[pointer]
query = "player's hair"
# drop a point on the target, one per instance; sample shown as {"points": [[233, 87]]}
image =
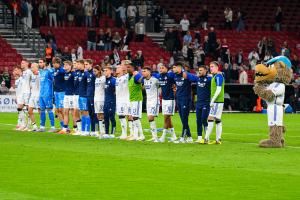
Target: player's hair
{"points": [[43, 59], [80, 61], [108, 66], [68, 63], [179, 63], [90, 61], [98, 67], [202, 66], [147, 68], [56, 60], [215, 63]]}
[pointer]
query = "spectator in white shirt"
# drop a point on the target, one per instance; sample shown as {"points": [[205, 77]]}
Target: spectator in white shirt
{"points": [[140, 31], [253, 57], [143, 11], [243, 78], [228, 18], [185, 24], [79, 52], [131, 14], [122, 13]]}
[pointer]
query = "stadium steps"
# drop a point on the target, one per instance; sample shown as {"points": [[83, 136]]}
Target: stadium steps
{"points": [[157, 37], [28, 51]]}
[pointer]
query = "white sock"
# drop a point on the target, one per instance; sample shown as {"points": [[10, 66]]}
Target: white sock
{"points": [[153, 129], [130, 125], [172, 131], [123, 126], [135, 128], [101, 127], [164, 133], [218, 131], [199, 137], [78, 126], [140, 128], [19, 119], [23, 119], [209, 130]]}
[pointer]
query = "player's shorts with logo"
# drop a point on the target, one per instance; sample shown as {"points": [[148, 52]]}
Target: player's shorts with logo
{"points": [[152, 108], [216, 110], [123, 108], [99, 106], [69, 101], [168, 107], [136, 109]]}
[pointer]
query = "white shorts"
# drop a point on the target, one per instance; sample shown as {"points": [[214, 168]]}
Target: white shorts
{"points": [[34, 102], [69, 101], [275, 115], [136, 109], [24, 99], [99, 106], [168, 107], [123, 108], [152, 108], [216, 110], [76, 101]]}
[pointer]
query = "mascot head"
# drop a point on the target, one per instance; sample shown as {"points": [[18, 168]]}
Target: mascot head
{"points": [[275, 70]]}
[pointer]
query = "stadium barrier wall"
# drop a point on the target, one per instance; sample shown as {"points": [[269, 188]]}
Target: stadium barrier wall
{"points": [[8, 103]]}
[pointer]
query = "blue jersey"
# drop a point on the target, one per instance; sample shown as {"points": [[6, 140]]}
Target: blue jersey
{"points": [[76, 82], [183, 88], [166, 82], [82, 85], [46, 83], [203, 88], [90, 84], [69, 83], [59, 81], [110, 90]]}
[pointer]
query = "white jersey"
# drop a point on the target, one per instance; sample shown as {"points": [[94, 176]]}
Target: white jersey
{"points": [[151, 87], [35, 86], [278, 89], [99, 89], [122, 90], [18, 87], [26, 76]]}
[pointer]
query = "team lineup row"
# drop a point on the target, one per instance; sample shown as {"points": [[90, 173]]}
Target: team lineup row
{"points": [[92, 95]]}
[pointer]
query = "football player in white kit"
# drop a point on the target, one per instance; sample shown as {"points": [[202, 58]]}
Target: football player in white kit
{"points": [[17, 73], [122, 100], [26, 78], [99, 98], [151, 85], [35, 94]]}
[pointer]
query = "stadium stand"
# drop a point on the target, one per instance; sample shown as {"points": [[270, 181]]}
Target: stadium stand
{"points": [[8, 56]]}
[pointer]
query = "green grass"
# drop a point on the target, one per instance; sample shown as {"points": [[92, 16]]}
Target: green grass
{"points": [[50, 166]]}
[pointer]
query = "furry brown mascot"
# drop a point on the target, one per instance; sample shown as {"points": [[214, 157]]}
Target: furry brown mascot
{"points": [[270, 81]]}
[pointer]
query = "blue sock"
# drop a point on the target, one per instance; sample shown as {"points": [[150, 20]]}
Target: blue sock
{"points": [[65, 126], [83, 122], [51, 117], [43, 117], [88, 123], [61, 123]]}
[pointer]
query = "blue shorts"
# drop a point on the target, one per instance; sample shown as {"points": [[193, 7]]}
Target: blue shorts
{"points": [[46, 103], [59, 99], [83, 104]]}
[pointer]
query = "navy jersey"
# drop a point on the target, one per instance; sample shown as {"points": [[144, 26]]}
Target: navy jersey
{"points": [[183, 88], [76, 82], [166, 82], [82, 79], [69, 83], [110, 90], [203, 88], [59, 81], [90, 83]]}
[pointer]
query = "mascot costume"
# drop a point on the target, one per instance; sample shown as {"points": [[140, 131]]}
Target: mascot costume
{"points": [[270, 81]]}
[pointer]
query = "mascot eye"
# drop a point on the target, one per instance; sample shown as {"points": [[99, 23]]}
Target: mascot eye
{"points": [[271, 66]]}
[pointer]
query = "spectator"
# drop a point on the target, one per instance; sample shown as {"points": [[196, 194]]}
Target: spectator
{"points": [[3, 88], [6, 77], [131, 15], [239, 58], [187, 38], [157, 15], [224, 51], [126, 40], [267, 56], [196, 44], [278, 19], [100, 40], [79, 52], [23, 11], [285, 50], [200, 56], [234, 74], [197, 35], [243, 78], [88, 13], [66, 55], [218, 49], [50, 36], [227, 101], [35, 13], [73, 55], [262, 47], [190, 55], [49, 53], [52, 10], [206, 45], [91, 39], [143, 11], [29, 15], [271, 47], [53, 46], [116, 41], [43, 13], [184, 51], [61, 13], [169, 40], [79, 14], [204, 17], [115, 58], [122, 14], [226, 73], [295, 64], [253, 57], [139, 59], [140, 31], [185, 25], [71, 11], [108, 39], [212, 38], [240, 21], [97, 11], [228, 18]]}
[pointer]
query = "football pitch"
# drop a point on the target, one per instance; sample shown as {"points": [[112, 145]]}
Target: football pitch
{"points": [[42, 166]]}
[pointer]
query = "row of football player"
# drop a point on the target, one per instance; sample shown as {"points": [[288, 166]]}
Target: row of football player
{"points": [[93, 96]]}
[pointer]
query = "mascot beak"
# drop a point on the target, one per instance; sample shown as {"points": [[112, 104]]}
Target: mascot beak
{"points": [[264, 73]]}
